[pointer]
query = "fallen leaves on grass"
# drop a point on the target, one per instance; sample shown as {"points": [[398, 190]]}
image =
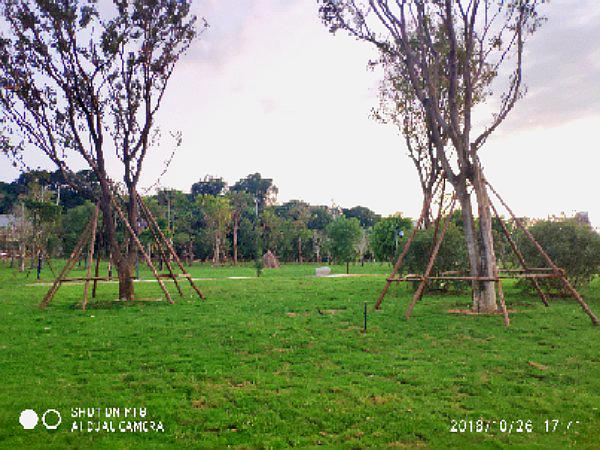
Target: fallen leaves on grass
{"points": [[379, 399], [295, 314], [537, 365], [199, 404]]}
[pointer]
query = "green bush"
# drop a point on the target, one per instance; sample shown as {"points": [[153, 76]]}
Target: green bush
{"points": [[384, 239], [343, 236], [572, 246], [452, 256]]}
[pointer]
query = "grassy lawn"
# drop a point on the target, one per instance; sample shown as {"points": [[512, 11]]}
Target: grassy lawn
{"points": [[281, 361]]}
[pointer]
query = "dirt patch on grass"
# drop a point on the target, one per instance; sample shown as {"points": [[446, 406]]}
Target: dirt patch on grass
{"points": [[329, 311], [199, 404], [242, 384], [537, 365], [380, 399], [296, 314], [468, 312]]}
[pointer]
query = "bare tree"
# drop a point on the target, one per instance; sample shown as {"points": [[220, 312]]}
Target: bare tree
{"points": [[447, 50], [399, 107], [75, 85]]}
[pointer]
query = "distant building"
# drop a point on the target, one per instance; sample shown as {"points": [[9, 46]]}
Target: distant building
{"points": [[8, 232], [8, 221], [583, 218]]}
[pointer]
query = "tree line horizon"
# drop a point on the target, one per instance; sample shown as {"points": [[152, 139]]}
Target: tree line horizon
{"points": [[218, 223], [77, 80]]}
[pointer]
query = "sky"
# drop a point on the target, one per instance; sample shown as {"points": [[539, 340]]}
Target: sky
{"points": [[267, 89]]}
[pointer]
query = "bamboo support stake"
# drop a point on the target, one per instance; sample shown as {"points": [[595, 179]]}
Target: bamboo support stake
{"points": [[160, 249], [96, 273], [465, 278], [566, 283], [519, 255], [140, 247], [400, 260], [434, 253], [73, 279], [109, 266], [503, 302], [67, 267], [170, 248], [438, 219], [90, 257]]}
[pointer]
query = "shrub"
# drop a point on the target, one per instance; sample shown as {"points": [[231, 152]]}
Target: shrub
{"points": [[343, 236], [452, 256], [384, 238], [571, 245]]}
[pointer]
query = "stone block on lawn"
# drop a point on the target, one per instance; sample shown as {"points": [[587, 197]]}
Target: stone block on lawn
{"points": [[322, 271]]}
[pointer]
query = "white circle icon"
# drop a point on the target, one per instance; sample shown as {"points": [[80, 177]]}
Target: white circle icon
{"points": [[51, 426], [28, 419]]}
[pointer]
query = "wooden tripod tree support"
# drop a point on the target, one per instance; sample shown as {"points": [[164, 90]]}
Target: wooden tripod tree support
{"points": [[89, 236], [519, 255], [533, 274], [432, 257], [69, 265], [560, 273], [162, 239], [406, 248]]}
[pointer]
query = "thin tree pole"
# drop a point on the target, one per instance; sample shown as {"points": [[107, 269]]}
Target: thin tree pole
{"points": [[67, 267], [400, 260], [519, 255], [433, 257], [170, 248], [140, 246], [90, 257], [566, 283]]}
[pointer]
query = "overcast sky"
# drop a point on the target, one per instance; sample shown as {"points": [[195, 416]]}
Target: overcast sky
{"points": [[267, 89]]}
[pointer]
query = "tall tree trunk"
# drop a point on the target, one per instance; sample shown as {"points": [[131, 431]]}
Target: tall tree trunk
{"points": [[487, 300], [130, 254], [125, 273], [190, 253], [300, 249], [123, 262], [480, 251], [216, 254], [235, 241], [317, 246], [21, 257]]}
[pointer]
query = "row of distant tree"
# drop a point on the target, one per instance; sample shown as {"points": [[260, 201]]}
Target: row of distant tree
{"points": [[232, 223], [214, 221]]}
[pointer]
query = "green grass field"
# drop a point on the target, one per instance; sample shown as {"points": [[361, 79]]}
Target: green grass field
{"points": [[258, 366]]}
